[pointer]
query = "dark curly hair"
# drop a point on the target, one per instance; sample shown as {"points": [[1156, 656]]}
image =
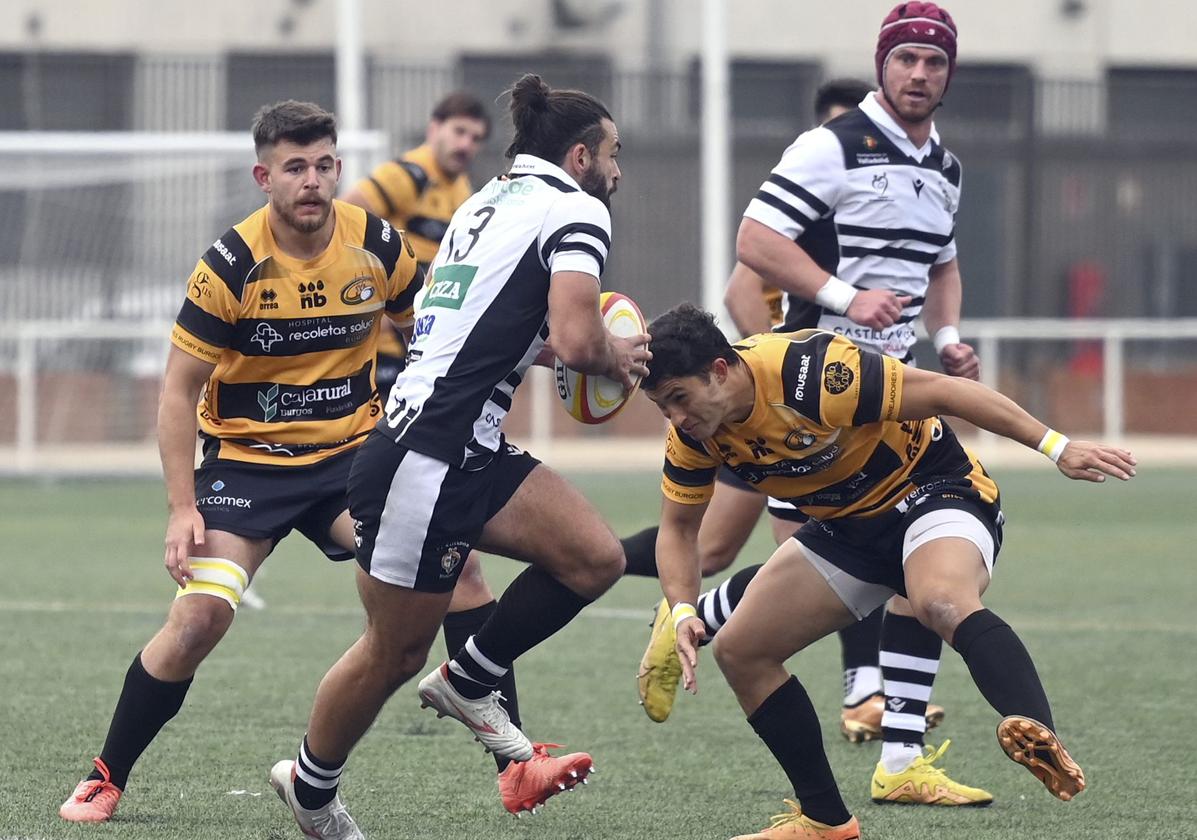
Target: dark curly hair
{"points": [[685, 342]]}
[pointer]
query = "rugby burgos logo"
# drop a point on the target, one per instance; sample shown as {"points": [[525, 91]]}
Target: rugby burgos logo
{"points": [[266, 336]]}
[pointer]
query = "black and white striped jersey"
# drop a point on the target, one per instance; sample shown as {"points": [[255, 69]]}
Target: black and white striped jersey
{"points": [[482, 317], [891, 207]]}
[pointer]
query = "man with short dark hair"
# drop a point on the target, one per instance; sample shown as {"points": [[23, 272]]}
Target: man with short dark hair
{"points": [[275, 341], [895, 504], [419, 191]]}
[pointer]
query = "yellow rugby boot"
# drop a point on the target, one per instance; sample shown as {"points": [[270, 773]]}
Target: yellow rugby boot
{"points": [[1034, 746], [660, 668], [795, 825], [922, 783]]}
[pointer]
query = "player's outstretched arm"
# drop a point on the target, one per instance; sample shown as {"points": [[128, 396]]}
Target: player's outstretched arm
{"points": [[680, 572], [185, 377], [926, 394]]}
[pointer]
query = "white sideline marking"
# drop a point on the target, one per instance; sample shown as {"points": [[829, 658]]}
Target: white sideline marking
{"points": [[604, 613]]}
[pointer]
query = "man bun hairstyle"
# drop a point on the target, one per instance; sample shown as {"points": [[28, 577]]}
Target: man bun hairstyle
{"points": [[461, 103], [918, 25], [299, 122], [686, 341], [548, 123]]}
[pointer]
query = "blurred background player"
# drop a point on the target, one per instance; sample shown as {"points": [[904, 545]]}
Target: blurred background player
{"points": [[278, 435], [814, 218], [419, 191]]}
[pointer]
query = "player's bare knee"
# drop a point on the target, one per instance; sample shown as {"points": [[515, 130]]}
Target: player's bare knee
{"points": [[732, 655], [598, 570], [198, 628], [940, 610]]}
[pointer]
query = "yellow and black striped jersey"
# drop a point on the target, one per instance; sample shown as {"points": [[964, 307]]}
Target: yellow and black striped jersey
{"points": [[294, 341], [823, 434], [414, 195]]}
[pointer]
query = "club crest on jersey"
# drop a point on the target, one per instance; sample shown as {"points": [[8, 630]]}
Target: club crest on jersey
{"points": [[837, 378], [797, 439], [357, 291]]}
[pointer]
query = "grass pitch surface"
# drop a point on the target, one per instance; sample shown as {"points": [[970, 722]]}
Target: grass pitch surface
{"points": [[1100, 582]]}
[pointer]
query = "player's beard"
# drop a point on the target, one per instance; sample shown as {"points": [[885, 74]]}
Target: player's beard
{"points": [[308, 224], [594, 183]]}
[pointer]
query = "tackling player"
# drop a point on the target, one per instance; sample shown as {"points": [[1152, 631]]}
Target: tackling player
{"points": [[895, 505], [871, 197]]}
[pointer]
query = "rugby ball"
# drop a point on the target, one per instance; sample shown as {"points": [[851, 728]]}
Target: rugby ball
{"points": [[596, 399]]}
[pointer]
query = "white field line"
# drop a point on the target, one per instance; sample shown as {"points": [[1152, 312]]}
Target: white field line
{"points": [[643, 616]]}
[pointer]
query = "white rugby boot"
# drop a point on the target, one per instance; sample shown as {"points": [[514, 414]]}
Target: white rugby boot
{"points": [[332, 822], [486, 718]]}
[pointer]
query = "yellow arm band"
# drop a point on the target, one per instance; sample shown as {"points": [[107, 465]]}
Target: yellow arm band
{"points": [[1053, 444], [682, 611], [217, 577]]}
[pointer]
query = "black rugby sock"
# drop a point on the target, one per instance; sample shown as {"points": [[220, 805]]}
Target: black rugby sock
{"points": [[458, 627], [640, 549], [1002, 667], [144, 707], [788, 725], [535, 606]]}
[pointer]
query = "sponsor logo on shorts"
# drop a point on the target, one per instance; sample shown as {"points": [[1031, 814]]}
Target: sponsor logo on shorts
{"points": [[225, 502], [217, 485]]}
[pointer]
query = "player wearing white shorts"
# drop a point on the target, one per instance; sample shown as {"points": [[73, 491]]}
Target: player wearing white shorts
{"points": [[436, 478], [895, 504]]}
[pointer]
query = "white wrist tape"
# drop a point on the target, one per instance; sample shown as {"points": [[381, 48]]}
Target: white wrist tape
{"points": [[1052, 445], [682, 611], [945, 336], [836, 295]]}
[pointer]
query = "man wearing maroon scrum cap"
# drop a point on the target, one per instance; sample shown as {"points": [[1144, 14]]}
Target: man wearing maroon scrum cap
{"points": [[892, 192]]}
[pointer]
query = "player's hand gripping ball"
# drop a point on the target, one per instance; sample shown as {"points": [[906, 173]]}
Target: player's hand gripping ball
{"points": [[596, 399]]}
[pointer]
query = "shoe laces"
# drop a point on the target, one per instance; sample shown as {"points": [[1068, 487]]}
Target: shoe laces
{"points": [[930, 756], [491, 711], [793, 817]]}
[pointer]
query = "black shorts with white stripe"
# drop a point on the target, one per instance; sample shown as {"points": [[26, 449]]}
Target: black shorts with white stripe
{"points": [[417, 518]]}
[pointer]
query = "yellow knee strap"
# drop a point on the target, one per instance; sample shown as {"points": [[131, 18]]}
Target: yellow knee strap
{"points": [[217, 577]]}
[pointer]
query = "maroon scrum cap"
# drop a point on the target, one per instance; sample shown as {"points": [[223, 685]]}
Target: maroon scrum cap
{"points": [[920, 24]]}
